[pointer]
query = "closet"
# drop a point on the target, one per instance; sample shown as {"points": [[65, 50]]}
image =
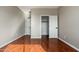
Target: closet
{"points": [[45, 25], [49, 26]]}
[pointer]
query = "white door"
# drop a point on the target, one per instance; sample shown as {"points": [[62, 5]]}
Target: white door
{"points": [[53, 27]]}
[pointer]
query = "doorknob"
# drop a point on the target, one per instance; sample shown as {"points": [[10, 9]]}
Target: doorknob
{"points": [[56, 27]]}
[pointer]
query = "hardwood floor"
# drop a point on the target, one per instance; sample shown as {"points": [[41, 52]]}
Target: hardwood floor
{"points": [[55, 45], [25, 44], [16, 46]]}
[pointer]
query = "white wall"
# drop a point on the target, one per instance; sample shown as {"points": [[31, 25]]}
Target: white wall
{"points": [[27, 27], [69, 25], [12, 24], [44, 28], [36, 22], [26, 10]]}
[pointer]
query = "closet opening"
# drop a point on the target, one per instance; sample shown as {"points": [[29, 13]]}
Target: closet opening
{"points": [[45, 26], [45, 31]]}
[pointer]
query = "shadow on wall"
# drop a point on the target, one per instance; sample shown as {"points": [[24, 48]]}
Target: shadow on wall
{"points": [[12, 24], [21, 29]]}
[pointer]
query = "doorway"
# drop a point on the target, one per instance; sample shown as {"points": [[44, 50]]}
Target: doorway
{"points": [[45, 26], [45, 31]]}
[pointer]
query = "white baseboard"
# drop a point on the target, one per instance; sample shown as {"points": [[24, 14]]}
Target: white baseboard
{"points": [[35, 37], [69, 44], [11, 41]]}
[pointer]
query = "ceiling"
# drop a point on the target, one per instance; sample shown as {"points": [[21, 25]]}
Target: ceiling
{"points": [[26, 9]]}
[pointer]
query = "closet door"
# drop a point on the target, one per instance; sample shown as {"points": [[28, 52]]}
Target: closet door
{"points": [[53, 27]]}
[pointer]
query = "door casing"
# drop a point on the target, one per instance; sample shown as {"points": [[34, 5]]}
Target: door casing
{"points": [[53, 26]]}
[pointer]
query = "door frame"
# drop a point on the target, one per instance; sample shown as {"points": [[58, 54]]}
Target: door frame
{"points": [[41, 25], [49, 16]]}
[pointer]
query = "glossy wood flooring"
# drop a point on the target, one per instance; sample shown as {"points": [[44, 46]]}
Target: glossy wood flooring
{"points": [[25, 44]]}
